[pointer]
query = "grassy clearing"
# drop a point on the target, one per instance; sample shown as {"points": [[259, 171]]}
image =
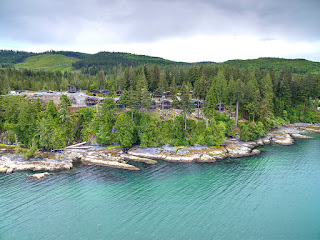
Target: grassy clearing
{"points": [[51, 62]]}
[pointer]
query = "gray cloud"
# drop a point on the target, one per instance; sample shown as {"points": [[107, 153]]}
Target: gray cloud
{"points": [[139, 21]]}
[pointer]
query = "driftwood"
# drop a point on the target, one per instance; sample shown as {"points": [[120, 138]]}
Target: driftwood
{"points": [[76, 145]]}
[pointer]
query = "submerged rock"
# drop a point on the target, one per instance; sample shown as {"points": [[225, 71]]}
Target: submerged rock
{"points": [[38, 176], [129, 157], [297, 135]]}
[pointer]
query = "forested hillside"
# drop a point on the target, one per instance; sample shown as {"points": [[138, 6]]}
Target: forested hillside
{"points": [[297, 66], [92, 64], [9, 57]]}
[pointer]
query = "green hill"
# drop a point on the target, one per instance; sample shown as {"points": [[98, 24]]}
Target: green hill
{"points": [[92, 63], [297, 66], [49, 61], [10, 57], [107, 60]]}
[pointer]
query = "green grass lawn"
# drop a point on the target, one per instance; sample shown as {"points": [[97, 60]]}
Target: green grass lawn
{"points": [[48, 62]]}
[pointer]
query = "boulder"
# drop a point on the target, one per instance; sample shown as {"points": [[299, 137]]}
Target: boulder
{"points": [[3, 170], [38, 176]]}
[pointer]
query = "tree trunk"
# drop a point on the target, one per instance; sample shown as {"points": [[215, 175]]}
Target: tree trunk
{"points": [[304, 106], [162, 107], [237, 111], [174, 111], [198, 110], [220, 106], [132, 114], [207, 123], [185, 122], [124, 110]]}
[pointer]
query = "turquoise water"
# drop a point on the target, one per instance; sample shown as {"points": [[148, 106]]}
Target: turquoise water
{"points": [[275, 195]]}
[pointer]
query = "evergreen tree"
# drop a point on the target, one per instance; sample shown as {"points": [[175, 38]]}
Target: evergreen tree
{"points": [[124, 100], [186, 105], [211, 102], [125, 131], [220, 83]]}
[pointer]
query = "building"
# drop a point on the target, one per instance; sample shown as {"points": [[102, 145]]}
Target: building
{"points": [[91, 101], [153, 104], [72, 89], [196, 103], [218, 106], [94, 92], [105, 92], [156, 94], [166, 104], [119, 106], [167, 93], [118, 93]]}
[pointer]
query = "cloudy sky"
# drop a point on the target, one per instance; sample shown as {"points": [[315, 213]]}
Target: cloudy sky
{"points": [[181, 30]]}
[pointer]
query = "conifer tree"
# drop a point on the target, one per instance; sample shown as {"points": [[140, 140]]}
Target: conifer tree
{"points": [[186, 105], [220, 83]]}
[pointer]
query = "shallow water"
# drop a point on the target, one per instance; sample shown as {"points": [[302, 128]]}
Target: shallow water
{"points": [[275, 195]]}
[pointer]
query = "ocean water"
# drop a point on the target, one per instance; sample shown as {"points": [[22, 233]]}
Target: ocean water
{"points": [[275, 195]]}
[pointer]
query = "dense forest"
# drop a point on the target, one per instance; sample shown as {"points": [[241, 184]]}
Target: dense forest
{"points": [[262, 98]]}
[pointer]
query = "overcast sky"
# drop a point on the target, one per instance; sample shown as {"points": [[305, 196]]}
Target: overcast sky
{"points": [[181, 30]]}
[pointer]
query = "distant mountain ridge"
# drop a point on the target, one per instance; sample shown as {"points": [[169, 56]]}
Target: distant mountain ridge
{"points": [[92, 63]]}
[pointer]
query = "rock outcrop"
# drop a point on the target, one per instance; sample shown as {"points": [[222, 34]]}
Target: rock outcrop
{"points": [[12, 162], [38, 176], [107, 158], [297, 135]]}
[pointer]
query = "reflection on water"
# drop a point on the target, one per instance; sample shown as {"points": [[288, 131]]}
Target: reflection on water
{"points": [[275, 195]]}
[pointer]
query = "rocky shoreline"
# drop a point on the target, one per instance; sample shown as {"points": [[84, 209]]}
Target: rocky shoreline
{"points": [[116, 158]]}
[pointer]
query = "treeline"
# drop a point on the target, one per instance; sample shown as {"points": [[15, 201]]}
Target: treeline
{"points": [[106, 61], [34, 125], [10, 57], [296, 66], [259, 94]]}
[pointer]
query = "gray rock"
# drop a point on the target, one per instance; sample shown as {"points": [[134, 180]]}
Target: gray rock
{"points": [[38, 176]]}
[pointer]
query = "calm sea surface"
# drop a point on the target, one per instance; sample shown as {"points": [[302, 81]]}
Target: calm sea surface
{"points": [[275, 195]]}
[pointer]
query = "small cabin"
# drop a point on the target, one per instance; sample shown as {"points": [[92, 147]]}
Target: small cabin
{"points": [[153, 104], [118, 93], [94, 91], [218, 106], [196, 103], [167, 93], [91, 101], [156, 94], [72, 89], [165, 104], [119, 106], [105, 92]]}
